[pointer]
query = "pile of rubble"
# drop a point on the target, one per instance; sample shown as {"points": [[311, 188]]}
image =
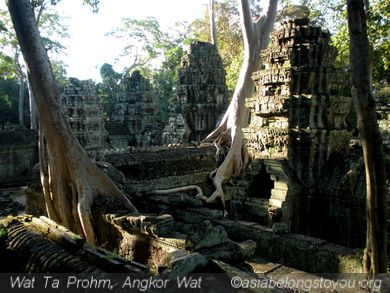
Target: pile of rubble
{"points": [[8, 206]]}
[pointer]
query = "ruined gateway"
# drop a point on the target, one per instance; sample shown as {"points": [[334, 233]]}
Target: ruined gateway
{"points": [[298, 207]]}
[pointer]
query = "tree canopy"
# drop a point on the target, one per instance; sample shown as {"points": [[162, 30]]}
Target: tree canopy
{"points": [[12, 64], [332, 14]]}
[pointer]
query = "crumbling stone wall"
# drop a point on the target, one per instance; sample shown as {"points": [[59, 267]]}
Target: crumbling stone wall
{"points": [[201, 92], [297, 121], [302, 167], [135, 109], [176, 131], [85, 115], [18, 154], [295, 250], [296, 112], [164, 169]]}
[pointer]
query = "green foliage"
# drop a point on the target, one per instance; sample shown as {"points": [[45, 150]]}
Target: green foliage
{"points": [[142, 40], [40, 3], [8, 102], [9, 48], [3, 231], [59, 71], [156, 54], [341, 42], [163, 85], [383, 95], [7, 66], [108, 89], [165, 79], [233, 70], [291, 11], [229, 36], [93, 3], [12, 68], [378, 23], [332, 14], [53, 31]]}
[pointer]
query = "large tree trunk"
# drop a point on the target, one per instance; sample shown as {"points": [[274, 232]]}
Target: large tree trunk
{"points": [[33, 108], [375, 256], [229, 132], [213, 30], [71, 180], [21, 99]]}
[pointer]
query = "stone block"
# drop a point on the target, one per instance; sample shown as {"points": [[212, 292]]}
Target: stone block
{"points": [[307, 253], [205, 235], [186, 264]]}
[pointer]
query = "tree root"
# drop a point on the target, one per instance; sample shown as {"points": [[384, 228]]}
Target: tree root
{"points": [[199, 194], [233, 165], [199, 191], [86, 221]]}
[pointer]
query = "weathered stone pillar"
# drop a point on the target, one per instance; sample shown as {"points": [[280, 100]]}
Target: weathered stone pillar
{"points": [[135, 110], [85, 115], [202, 92], [297, 119]]}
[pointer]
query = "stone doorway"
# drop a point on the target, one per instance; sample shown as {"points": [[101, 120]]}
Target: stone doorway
{"points": [[262, 185]]}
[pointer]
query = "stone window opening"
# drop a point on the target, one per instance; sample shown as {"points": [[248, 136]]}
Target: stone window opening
{"points": [[262, 185]]}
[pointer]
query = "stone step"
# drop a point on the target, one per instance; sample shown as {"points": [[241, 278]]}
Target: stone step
{"points": [[211, 214], [276, 171], [275, 202], [280, 185], [278, 193], [142, 223], [236, 191], [256, 208], [244, 183]]}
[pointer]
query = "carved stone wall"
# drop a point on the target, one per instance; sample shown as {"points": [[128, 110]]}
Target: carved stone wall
{"points": [[202, 92], [118, 135], [297, 119], [18, 154], [85, 115], [146, 172], [136, 110], [176, 130], [295, 113]]}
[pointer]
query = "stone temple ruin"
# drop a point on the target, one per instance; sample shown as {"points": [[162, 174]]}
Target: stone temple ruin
{"points": [[85, 115], [18, 154], [298, 207], [135, 110], [297, 123], [201, 93]]}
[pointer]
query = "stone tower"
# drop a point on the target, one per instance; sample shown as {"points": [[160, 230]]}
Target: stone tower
{"points": [[295, 112], [202, 93], [136, 110], [297, 122], [85, 115]]}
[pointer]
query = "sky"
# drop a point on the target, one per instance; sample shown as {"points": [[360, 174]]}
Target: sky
{"points": [[88, 48]]}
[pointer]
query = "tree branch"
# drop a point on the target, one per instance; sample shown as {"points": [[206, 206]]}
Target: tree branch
{"points": [[247, 24], [213, 31], [269, 22]]}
